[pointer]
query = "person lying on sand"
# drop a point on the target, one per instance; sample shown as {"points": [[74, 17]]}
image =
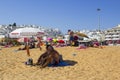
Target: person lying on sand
{"points": [[30, 45], [23, 47], [50, 57]]}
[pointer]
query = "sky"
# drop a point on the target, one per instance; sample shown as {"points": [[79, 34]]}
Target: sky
{"points": [[62, 14]]}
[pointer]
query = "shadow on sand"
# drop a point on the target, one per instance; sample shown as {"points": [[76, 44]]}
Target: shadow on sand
{"points": [[66, 63], [70, 62], [61, 64]]}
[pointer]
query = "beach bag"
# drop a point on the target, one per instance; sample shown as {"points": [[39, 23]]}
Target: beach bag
{"points": [[29, 61]]}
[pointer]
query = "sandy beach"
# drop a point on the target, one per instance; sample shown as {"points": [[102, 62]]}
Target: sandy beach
{"points": [[86, 64]]}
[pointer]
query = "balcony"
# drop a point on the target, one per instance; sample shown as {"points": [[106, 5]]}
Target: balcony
{"points": [[115, 38], [108, 39], [108, 36], [115, 35]]}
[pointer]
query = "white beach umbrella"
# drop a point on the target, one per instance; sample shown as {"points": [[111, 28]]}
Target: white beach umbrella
{"points": [[26, 32]]}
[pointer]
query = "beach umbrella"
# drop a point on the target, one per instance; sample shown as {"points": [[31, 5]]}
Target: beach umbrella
{"points": [[26, 32], [49, 39], [81, 34], [54, 40], [61, 41]]}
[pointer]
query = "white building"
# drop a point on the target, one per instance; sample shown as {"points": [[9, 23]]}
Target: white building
{"points": [[100, 36], [112, 36], [6, 29]]}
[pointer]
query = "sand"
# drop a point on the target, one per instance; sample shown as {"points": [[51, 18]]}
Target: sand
{"points": [[86, 64]]}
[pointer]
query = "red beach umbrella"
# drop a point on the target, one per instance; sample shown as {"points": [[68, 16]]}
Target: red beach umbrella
{"points": [[61, 41]]}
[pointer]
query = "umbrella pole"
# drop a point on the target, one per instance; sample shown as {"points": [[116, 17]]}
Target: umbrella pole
{"points": [[27, 48]]}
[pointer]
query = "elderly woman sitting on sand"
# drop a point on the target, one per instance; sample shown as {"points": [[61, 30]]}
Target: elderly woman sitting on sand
{"points": [[50, 57]]}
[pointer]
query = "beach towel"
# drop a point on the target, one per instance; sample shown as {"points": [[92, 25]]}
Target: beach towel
{"points": [[62, 63]]}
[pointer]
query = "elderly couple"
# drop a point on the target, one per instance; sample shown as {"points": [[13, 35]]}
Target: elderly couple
{"points": [[49, 58]]}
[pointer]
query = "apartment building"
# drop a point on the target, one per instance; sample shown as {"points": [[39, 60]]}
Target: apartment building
{"points": [[112, 36]]}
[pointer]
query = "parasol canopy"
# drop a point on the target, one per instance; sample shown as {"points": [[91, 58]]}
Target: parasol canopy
{"points": [[55, 40], [81, 34], [61, 41], [49, 39], [26, 32]]}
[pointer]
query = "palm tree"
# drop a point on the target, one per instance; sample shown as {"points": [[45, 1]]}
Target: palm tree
{"points": [[14, 24]]}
